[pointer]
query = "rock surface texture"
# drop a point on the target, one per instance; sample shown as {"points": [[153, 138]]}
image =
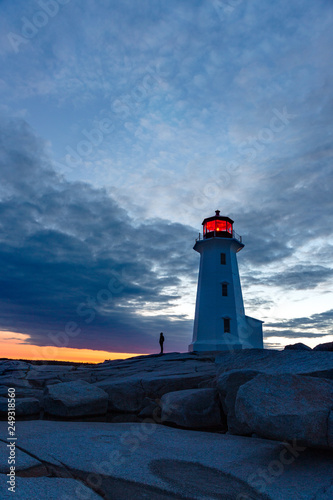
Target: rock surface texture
{"points": [[88, 460], [137, 389], [298, 347], [192, 408], [297, 362], [328, 346], [287, 407], [228, 385], [268, 417], [72, 399]]}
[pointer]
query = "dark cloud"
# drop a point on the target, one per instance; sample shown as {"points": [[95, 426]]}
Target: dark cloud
{"points": [[299, 277], [316, 325], [70, 253]]}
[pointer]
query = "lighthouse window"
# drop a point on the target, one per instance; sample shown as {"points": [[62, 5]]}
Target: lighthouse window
{"points": [[226, 325], [224, 289], [221, 225], [223, 259]]}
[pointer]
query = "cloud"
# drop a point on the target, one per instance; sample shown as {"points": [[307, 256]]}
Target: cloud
{"points": [[316, 325], [299, 277], [70, 253], [201, 134]]}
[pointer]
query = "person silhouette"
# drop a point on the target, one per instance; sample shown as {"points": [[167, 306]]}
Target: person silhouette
{"points": [[161, 342]]}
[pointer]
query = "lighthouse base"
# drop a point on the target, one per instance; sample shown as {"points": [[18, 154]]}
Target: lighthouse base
{"points": [[213, 346]]}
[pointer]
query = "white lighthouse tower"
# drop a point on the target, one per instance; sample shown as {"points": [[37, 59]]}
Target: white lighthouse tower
{"points": [[220, 322]]}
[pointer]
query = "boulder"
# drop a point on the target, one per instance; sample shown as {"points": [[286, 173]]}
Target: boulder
{"points": [[327, 346], [151, 409], [22, 392], [298, 347], [192, 408], [330, 429], [287, 407], [127, 394], [228, 385], [124, 394], [312, 363], [42, 378], [17, 383], [27, 406], [75, 399], [23, 406], [157, 385], [14, 365]]}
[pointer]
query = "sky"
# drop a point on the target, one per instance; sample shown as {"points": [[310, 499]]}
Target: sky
{"points": [[123, 124]]}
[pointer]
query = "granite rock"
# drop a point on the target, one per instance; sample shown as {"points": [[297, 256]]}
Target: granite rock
{"points": [[75, 399], [228, 385], [312, 363], [192, 408], [287, 407]]}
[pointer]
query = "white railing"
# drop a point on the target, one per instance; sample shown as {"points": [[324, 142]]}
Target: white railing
{"points": [[234, 235]]}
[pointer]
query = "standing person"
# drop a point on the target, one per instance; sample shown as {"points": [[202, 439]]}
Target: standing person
{"points": [[161, 342]]}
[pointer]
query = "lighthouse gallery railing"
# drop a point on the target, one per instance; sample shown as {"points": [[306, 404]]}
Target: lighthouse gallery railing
{"points": [[234, 235]]}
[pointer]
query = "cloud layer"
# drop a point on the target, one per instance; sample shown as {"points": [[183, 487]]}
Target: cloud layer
{"points": [[69, 253], [154, 114]]}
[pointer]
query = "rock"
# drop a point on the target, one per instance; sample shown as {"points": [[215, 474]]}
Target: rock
{"points": [[9, 377], [298, 347], [228, 385], [156, 386], [124, 395], [22, 389], [23, 406], [328, 346], [208, 384], [287, 407], [42, 378], [22, 392], [124, 417], [14, 365], [52, 368], [75, 399], [45, 487], [17, 383], [151, 409], [23, 460], [127, 394], [136, 461], [87, 376], [312, 363], [192, 408], [330, 429], [27, 406]]}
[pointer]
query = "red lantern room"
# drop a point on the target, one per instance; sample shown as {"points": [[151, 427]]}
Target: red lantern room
{"points": [[217, 227]]}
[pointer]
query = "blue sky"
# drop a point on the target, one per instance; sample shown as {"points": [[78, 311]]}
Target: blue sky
{"points": [[124, 124]]}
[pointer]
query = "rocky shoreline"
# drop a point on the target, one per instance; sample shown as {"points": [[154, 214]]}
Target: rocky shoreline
{"points": [[260, 398]]}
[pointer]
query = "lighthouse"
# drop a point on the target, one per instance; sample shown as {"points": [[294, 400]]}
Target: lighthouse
{"points": [[220, 322]]}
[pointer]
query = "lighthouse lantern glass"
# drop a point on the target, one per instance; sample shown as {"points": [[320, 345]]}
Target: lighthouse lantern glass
{"points": [[217, 225]]}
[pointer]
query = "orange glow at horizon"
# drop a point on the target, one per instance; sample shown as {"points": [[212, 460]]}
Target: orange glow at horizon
{"points": [[13, 346]]}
